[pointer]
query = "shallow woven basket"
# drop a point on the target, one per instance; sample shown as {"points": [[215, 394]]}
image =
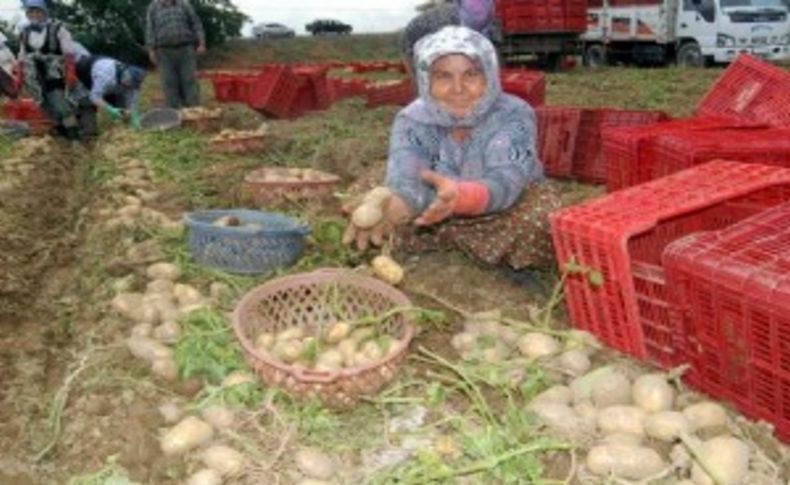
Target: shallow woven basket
{"points": [[316, 300], [266, 192], [277, 243], [245, 144], [161, 119]]}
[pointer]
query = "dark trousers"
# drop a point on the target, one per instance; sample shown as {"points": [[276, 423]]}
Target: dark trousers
{"points": [[178, 72]]}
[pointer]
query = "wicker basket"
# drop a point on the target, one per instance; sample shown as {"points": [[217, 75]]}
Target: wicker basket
{"points": [[245, 144], [313, 301], [276, 184], [263, 242]]}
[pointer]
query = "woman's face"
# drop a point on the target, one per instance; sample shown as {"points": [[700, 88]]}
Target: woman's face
{"points": [[457, 84], [36, 15]]}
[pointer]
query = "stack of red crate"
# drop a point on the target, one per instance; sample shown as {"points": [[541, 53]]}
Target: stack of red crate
{"points": [[527, 85], [731, 293], [750, 94], [542, 15], [623, 235], [395, 93], [313, 92], [569, 139], [274, 91]]}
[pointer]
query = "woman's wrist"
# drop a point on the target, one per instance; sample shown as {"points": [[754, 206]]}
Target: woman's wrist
{"points": [[472, 199]]}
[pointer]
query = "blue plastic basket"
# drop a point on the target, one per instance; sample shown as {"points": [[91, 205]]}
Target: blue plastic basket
{"points": [[245, 250]]}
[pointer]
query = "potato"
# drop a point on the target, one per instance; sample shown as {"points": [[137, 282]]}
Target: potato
{"points": [[188, 434], [291, 333], [329, 360], [588, 413], [160, 285], [624, 439], [289, 351], [130, 211], [126, 304], [604, 386], [223, 459], [314, 464], [574, 362], [168, 332], [622, 419], [377, 196], [218, 289], [372, 350], [726, 457], [556, 415], [582, 340], [148, 349], [337, 332], [170, 412], [347, 349], [361, 334], [186, 295], [166, 368], [666, 425], [387, 269], [536, 345], [165, 271], [218, 416], [206, 476], [630, 462], [558, 394], [264, 341], [653, 393], [366, 216], [705, 414], [142, 330], [463, 341], [238, 378]]}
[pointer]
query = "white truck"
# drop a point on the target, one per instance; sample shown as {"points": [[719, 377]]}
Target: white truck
{"points": [[690, 32]]}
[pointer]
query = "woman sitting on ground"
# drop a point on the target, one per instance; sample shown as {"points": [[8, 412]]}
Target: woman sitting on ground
{"points": [[463, 168]]}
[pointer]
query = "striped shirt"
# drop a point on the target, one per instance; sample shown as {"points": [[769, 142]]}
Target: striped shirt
{"points": [[172, 23]]}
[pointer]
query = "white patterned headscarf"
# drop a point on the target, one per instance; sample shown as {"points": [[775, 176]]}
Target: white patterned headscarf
{"points": [[454, 40]]}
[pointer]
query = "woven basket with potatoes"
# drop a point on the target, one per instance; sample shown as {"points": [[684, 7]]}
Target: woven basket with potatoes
{"points": [[312, 335]]}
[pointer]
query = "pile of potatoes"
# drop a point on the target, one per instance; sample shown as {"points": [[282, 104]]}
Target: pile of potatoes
{"points": [[331, 348], [626, 419], [200, 113], [229, 134], [282, 174], [156, 312]]}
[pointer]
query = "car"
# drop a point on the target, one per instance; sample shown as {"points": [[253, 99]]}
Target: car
{"points": [[328, 26], [272, 30]]}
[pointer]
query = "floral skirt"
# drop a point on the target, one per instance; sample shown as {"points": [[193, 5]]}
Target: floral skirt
{"points": [[519, 237]]}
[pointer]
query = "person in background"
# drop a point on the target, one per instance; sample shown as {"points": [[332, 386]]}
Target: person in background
{"points": [[46, 64], [111, 86], [174, 36], [475, 14], [463, 169]]}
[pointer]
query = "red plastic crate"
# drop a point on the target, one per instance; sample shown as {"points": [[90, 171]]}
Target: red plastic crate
{"points": [[731, 289], [401, 93], [314, 77], [274, 91], [558, 128], [752, 90], [589, 164], [223, 88], [667, 154], [527, 85], [624, 148], [623, 235]]}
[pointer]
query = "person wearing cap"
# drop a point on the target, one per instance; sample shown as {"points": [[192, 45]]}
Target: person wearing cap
{"points": [[46, 64], [113, 87], [174, 36]]}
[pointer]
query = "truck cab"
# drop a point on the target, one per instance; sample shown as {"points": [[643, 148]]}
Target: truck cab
{"points": [[689, 32]]}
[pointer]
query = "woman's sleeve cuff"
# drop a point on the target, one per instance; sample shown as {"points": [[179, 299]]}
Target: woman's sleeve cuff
{"points": [[472, 199]]}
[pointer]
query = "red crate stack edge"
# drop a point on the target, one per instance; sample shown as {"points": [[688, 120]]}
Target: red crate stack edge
{"points": [[731, 291], [623, 234]]}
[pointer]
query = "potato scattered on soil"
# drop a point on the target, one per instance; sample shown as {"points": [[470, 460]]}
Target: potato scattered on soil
{"points": [[188, 434], [314, 464], [166, 368], [666, 425], [238, 378], [653, 393], [556, 415], [165, 271], [387, 269], [223, 459], [148, 349], [536, 345], [168, 332], [558, 394], [630, 462], [170, 412], [705, 414], [575, 362], [207, 476], [622, 419], [218, 416], [726, 457]]}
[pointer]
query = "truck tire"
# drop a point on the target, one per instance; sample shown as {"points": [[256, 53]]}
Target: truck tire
{"points": [[690, 55], [595, 56]]}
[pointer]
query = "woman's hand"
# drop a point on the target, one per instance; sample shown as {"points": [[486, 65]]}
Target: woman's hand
{"points": [[446, 198], [395, 212]]}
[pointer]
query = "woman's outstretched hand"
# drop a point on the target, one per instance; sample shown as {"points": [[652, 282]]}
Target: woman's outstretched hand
{"points": [[446, 197], [395, 212]]}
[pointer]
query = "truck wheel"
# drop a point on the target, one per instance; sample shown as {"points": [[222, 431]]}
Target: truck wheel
{"points": [[690, 55], [595, 56]]}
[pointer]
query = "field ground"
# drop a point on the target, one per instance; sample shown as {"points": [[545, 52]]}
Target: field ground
{"points": [[75, 408]]}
